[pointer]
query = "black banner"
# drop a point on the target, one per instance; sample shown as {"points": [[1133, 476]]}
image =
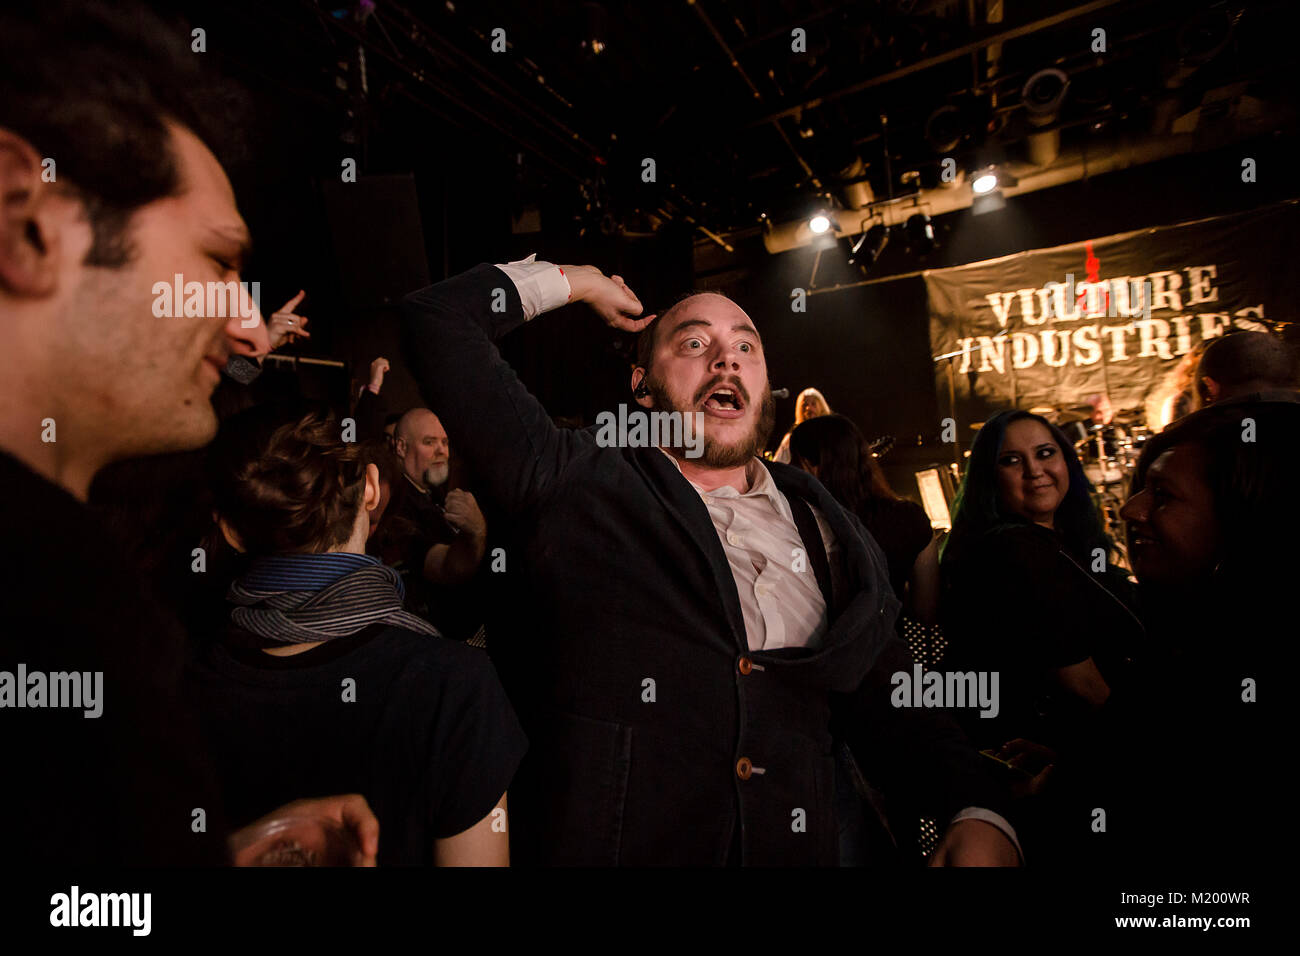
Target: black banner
{"points": [[1111, 316]]}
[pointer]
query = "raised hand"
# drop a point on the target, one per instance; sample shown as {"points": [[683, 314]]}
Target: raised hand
{"points": [[286, 326], [608, 296], [378, 368]]}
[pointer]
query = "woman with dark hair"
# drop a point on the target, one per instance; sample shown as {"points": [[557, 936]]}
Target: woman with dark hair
{"points": [[323, 683], [833, 450], [1029, 590]]}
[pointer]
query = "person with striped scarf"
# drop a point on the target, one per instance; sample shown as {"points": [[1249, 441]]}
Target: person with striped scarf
{"points": [[322, 677]]}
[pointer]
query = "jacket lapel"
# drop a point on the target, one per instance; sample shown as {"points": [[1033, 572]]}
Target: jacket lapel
{"points": [[861, 618], [687, 509], [813, 546], [866, 589]]}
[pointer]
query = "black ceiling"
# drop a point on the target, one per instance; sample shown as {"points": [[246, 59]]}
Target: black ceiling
{"points": [[738, 124]]}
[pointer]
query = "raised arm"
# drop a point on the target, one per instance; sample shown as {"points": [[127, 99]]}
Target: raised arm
{"points": [[493, 421], [370, 409]]}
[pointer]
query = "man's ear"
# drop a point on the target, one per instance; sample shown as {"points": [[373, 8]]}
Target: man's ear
{"points": [[639, 389], [29, 226], [370, 497]]}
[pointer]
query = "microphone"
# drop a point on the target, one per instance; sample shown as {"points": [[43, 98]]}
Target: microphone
{"points": [[242, 370], [780, 393]]}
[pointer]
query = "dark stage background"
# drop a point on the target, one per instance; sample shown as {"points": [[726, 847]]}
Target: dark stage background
{"points": [[462, 158]]}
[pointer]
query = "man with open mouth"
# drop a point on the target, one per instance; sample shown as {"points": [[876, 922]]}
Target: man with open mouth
{"points": [[685, 638]]}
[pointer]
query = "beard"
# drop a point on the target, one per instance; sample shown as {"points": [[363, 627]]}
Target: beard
{"points": [[716, 453], [435, 476]]}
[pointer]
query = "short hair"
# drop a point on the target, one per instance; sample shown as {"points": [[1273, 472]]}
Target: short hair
{"points": [[1241, 357], [286, 483], [91, 85], [645, 340]]}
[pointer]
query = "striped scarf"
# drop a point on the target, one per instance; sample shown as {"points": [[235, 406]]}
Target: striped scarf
{"points": [[351, 603]]}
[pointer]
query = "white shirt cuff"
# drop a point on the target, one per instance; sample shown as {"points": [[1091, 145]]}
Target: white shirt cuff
{"points": [[996, 819], [541, 285]]}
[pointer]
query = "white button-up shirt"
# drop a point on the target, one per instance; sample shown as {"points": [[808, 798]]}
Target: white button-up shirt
{"points": [[782, 603]]}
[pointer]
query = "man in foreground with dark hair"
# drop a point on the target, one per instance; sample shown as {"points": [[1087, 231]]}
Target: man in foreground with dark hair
{"points": [[90, 670], [693, 626]]}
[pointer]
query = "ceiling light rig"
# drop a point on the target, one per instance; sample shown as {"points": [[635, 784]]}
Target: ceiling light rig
{"points": [[984, 181], [869, 246], [987, 184], [919, 232]]}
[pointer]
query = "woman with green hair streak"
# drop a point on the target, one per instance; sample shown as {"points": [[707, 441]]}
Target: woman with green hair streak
{"points": [[1029, 588]]}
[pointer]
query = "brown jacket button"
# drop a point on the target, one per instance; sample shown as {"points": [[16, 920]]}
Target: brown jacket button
{"points": [[744, 768], [745, 665]]}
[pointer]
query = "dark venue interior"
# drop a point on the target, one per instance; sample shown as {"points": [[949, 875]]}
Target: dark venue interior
{"points": [[905, 477], [544, 155]]}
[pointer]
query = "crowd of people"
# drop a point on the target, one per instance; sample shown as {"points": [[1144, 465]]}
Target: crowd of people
{"points": [[494, 639]]}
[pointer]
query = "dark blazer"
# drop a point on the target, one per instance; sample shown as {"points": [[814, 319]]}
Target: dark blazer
{"points": [[615, 578]]}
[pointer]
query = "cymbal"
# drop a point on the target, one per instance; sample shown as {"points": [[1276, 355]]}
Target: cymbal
{"points": [[1056, 414], [1077, 411]]}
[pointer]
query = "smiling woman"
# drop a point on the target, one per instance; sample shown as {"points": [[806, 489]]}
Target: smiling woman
{"points": [[1028, 587]]}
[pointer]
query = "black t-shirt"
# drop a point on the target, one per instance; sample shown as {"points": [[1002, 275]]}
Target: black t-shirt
{"points": [[429, 738], [903, 531], [121, 788]]}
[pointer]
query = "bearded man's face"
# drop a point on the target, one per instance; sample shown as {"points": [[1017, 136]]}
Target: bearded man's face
{"points": [[708, 358]]}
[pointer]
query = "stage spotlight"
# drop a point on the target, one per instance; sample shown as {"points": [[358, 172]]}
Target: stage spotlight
{"points": [[868, 247], [819, 223], [984, 182], [919, 231]]}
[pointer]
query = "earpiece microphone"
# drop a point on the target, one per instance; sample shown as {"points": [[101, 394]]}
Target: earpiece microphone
{"points": [[641, 391]]}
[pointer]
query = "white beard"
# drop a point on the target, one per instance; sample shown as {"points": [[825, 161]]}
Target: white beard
{"points": [[435, 476]]}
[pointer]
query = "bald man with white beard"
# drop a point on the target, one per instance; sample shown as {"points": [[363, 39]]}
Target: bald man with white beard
{"points": [[421, 444], [438, 534]]}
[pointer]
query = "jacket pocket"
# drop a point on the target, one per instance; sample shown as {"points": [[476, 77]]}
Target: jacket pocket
{"points": [[585, 770]]}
